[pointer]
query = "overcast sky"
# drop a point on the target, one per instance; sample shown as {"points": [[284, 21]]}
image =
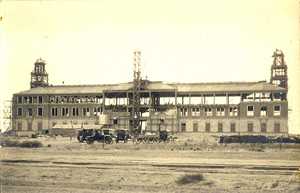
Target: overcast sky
{"points": [[91, 42]]}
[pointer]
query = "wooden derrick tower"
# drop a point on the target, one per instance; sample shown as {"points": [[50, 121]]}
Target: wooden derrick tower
{"points": [[39, 76], [135, 114], [279, 70]]}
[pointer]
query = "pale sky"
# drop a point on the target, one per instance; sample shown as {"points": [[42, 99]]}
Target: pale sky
{"points": [[91, 42]]}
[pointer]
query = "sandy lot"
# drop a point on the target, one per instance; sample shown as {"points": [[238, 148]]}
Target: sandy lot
{"points": [[68, 166]]}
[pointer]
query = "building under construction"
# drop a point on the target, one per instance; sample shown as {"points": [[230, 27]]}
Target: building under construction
{"points": [[140, 105]]}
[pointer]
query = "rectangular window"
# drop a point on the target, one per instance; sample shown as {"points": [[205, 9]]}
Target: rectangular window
{"points": [[75, 111], [263, 127], [183, 112], [195, 127], [207, 127], [208, 111], [250, 127], [20, 111], [97, 111], [115, 120], [277, 127], [232, 128], [29, 126], [86, 112], [220, 127], [34, 99], [220, 111], [30, 100], [65, 112], [54, 112], [19, 99], [183, 127], [25, 99], [265, 96], [263, 111], [195, 111], [29, 112], [40, 111], [19, 126], [233, 111], [250, 110], [40, 99], [277, 110]]}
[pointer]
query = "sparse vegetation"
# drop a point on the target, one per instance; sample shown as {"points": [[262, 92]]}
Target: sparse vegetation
{"points": [[188, 179], [202, 165], [257, 147], [9, 143], [31, 144], [16, 143]]}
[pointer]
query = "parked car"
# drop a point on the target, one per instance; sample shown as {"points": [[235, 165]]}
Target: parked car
{"points": [[91, 135], [122, 135]]}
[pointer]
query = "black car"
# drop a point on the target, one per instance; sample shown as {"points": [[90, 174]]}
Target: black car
{"points": [[122, 135], [91, 135], [163, 136]]}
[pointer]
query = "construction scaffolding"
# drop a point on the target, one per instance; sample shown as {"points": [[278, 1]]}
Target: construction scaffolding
{"points": [[136, 100], [6, 115]]}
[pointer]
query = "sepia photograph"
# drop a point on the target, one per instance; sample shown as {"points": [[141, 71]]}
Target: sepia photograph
{"points": [[140, 96]]}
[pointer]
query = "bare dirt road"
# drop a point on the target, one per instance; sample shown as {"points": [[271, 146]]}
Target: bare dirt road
{"points": [[68, 166]]}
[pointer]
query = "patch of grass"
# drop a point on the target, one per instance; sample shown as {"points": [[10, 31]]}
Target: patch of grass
{"points": [[31, 144], [257, 147], [9, 143], [188, 179], [16, 143], [208, 183], [274, 184]]}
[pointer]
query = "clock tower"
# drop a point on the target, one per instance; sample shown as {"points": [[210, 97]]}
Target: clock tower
{"points": [[279, 70], [39, 76]]}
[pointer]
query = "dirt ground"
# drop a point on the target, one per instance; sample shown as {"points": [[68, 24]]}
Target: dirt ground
{"points": [[66, 166]]}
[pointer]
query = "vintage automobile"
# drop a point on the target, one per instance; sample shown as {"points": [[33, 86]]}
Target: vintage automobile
{"points": [[109, 131], [122, 135], [91, 135]]}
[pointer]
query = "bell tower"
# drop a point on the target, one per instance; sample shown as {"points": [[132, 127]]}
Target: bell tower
{"points": [[279, 70], [39, 76]]}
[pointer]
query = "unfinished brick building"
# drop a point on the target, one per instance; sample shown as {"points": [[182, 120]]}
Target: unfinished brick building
{"points": [[227, 107]]}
